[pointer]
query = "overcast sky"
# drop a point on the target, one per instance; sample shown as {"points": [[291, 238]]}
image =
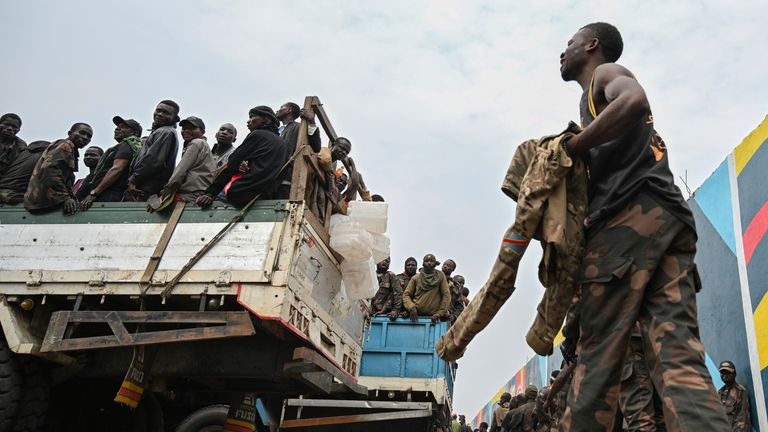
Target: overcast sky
{"points": [[434, 96]]}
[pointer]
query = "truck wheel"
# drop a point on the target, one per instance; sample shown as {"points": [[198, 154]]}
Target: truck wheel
{"points": [[10, 386], [33, 406], [207, 419]]}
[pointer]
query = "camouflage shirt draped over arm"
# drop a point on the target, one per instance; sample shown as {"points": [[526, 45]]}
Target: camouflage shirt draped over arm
{"points": [[53, 176]]}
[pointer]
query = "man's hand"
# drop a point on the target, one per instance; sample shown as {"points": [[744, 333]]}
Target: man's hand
{"points": [[70, 206], [244, 166], [393, 315], [436, 317], [414, 314], [204, 200], [87, 202], [133, 189], [451, 318], [307, 115]]}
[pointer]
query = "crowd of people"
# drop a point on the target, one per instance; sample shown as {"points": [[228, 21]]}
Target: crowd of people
{"points": [[41, 175], [420, 291]]}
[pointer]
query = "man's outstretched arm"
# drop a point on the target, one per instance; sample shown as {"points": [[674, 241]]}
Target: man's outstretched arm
{"points": [[627, 105]]}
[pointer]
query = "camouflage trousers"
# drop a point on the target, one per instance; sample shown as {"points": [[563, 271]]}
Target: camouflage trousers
{"points": [[638, 400], [639, 267]]}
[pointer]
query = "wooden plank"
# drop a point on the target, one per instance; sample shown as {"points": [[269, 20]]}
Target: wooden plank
{"points": [[363, 404], [165, 238], [301, 173], [237, 324], [148, 317], [309, 355], [358, 418], [324, 120], [121, 333], [321, 381]]}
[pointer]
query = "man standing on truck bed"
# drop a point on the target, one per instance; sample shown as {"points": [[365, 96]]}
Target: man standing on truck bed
{"points": [[427, 293], [153, 166], [641, 241], [50, 186]]}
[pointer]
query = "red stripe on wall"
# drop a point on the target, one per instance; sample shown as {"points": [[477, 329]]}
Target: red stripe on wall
{"points": [[755, 232]]}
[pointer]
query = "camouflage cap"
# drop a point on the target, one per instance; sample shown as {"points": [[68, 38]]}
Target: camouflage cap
{"points": [[531, 391], [727, 365]]}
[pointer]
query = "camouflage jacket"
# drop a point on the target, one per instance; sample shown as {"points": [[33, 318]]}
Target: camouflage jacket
{"points": [[53, 176], [736, 402], [551, 193], [558, 208], [389, 297], [9, 152], [457, 300]]}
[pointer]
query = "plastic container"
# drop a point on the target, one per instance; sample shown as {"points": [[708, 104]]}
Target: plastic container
{"points": [[371, 215], [360, 280], [351, 241], [380, 249]]}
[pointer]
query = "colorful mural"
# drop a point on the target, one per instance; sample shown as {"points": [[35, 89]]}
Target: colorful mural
{"points": [[731, 211]]}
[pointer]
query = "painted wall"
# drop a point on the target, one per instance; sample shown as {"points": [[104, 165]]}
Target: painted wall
{"points": [[731, 211]]}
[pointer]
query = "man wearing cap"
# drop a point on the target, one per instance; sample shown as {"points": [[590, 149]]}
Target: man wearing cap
{"points": [[289, 132], [225, 137], [523, 418], [427, 293], [500, 411], [110, 177], [153, 166], [735, 398], [10, 144], [91, 158], [196, 168], [50, 186], [255, 168]]}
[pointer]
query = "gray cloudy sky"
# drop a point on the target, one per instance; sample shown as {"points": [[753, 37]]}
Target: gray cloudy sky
{"points": [[434, 95]]}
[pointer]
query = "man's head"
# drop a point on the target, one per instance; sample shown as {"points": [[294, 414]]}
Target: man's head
{"points": [[80, 134], [411, 265], [429, 263], [383, 266], [288, 112], [462, 419], [458, 280], [505, 397], [595, 43], [166, 113], [727, 372], [449, 266], [464, 291], [377, 198], [192, 127], [453, 416], [483, 426], [227, 134], [10, 125], [92, 156], [341, 148], [125, 128], [341, 181], [262, 117], [531, 392]]}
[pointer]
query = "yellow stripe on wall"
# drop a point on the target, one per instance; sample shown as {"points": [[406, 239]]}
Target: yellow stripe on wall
{"points": [[744, 151]]}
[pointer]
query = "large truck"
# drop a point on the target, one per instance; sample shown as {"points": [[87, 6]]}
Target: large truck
{"points": [[260, 317]]}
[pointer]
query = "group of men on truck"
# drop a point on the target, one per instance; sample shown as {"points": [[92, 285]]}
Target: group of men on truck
{"points": [[427, 292], [42, 175]]}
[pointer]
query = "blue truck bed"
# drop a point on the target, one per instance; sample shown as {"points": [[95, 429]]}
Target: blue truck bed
{"points": [[401, 349]]}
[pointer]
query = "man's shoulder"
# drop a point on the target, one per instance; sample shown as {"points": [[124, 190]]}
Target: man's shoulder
{"points": [[263, 136], [606, 72], [162, 132], [20, 143]]}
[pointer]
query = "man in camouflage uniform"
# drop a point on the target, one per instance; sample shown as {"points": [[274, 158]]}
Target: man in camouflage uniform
{"points": [[10, 144], [524, 417], [427, 293], [50, 186], [389, 298], [640, 245], [735, 398], [639, 401]]}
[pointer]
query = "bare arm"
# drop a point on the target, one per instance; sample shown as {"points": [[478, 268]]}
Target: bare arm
{"points": [[625, 104], [118, 166]]}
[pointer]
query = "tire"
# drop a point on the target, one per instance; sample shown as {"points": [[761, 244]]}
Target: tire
{"points": [[10, 386], [207, 419], [33, 407]]}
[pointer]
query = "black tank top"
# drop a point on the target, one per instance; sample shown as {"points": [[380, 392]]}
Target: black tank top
{"points": [[619, 169]]}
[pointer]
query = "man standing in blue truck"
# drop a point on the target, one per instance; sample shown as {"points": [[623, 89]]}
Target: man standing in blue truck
{"points": [[427, 293], [640, 244]]}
